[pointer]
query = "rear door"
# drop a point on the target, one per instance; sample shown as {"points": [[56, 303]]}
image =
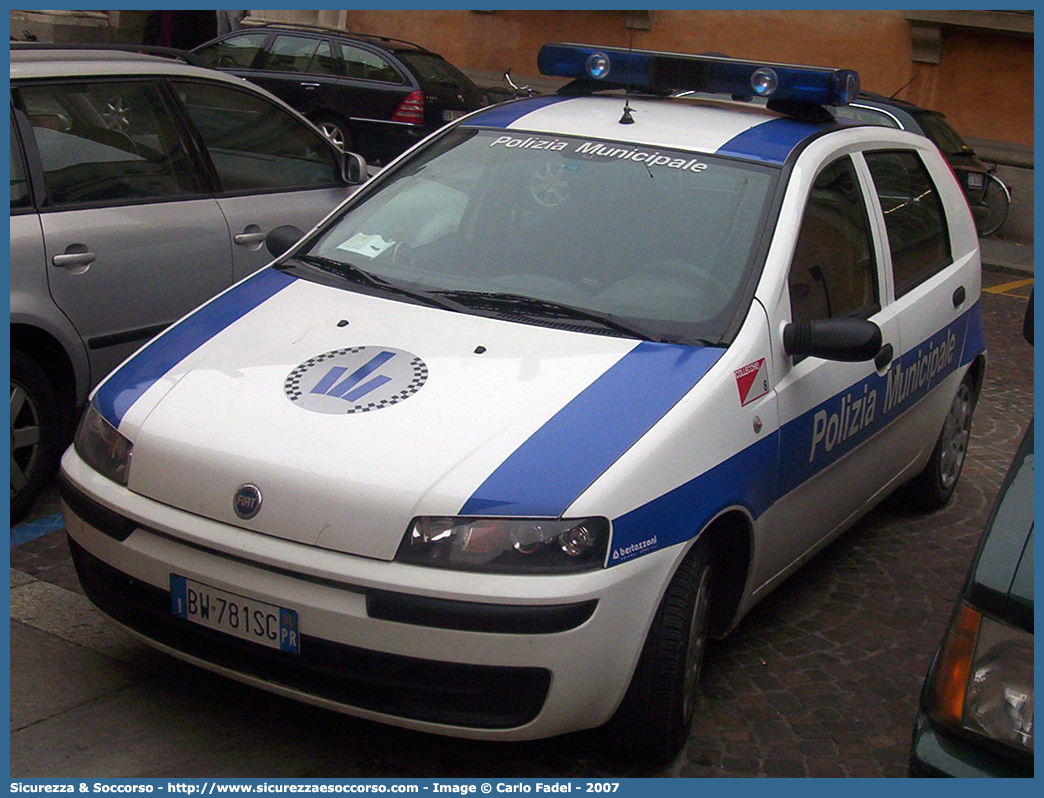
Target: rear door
{"points": [[270, 168], [935, 278], [132, 241]]}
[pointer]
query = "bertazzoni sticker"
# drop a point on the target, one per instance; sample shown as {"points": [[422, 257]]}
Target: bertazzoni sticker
{"points": [[355, 380]]}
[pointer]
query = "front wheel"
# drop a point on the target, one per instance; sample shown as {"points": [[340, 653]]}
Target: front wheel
{"points": [[934, 486], [997, 201], [35, 432], [654, 719]]}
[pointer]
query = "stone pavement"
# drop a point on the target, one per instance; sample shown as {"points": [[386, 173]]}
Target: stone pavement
{"points": [[1007, 255], [821, 679]]}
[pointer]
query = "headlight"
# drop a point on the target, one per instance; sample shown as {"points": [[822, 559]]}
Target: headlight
{"points": [[506, 545], [102, 447], [983, 682]]}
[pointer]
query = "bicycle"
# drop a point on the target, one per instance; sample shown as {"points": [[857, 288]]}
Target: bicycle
{"points": [[996, 199]]}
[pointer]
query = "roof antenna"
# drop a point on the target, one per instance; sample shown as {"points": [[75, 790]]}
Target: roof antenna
{"points": [[911, 80], [627, 119]]}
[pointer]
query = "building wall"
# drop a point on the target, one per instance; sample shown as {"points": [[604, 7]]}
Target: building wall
{"points": [[979, 83]]}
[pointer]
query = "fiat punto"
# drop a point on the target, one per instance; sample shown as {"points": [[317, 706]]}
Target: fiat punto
{"points": [[561, 393]]}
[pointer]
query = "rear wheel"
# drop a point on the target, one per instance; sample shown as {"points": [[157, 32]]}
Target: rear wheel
{"points": [[655, 717], [336, 131], [996, 200], [934, 486], [35, 432]]}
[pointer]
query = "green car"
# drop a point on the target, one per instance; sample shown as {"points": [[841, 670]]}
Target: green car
{"points": [[976, 713]]}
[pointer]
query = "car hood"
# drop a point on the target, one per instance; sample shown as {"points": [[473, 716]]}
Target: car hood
{"points": [[1000, 580], [352, 414]]}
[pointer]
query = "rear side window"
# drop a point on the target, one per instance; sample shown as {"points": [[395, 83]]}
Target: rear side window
{"points": [[255, 145], [366, 65], [833, 273], [235, 52], [107, 142], [917, 234], [19, 183]]}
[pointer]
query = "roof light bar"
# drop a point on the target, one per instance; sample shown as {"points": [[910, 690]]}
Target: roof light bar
{"points": [[667, 72]]}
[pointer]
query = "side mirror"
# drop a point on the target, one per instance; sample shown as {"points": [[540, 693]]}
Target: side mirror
{"points": [[280, 239], [353, 169], [844, 340]]}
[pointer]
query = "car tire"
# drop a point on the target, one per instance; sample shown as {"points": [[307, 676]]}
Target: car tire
{"points": [[934, 486], [35, 432], [336, 131], [654, 719]]}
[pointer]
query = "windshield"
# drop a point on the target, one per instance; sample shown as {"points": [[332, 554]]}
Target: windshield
{"points": [[661, 240]]}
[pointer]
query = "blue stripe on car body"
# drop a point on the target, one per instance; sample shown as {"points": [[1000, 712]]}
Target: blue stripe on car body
{"points": [[502, 116], [756, 477], [118, 393], [770, 142], [560, 460]]}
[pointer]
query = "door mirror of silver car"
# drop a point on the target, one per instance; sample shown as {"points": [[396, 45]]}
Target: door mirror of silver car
{"points": [[280, 239], [353, 169], [845, 340]]}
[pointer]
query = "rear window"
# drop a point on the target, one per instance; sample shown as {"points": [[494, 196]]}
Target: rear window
{"points": [[431, 70]]}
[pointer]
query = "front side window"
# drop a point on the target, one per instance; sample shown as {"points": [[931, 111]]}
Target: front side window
{"points": [[917, 234], [236, 52], [833, 273], [254, 144], [366, 65], [528, 225], [106, 142]]}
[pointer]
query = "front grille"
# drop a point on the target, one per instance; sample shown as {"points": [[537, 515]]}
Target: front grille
{"points": [[474, 696]]}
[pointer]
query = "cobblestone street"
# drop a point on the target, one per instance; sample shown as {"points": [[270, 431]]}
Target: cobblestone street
{"points": [[821, 679]]}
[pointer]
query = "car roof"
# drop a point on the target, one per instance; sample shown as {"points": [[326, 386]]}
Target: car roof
{"points": [[748, 131], [63, 62], [386, 42]]}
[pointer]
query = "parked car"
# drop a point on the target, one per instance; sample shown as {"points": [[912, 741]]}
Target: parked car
{"points": [[369, 94], [554, 398], [976, 711], [140, 187], [988, 197]]}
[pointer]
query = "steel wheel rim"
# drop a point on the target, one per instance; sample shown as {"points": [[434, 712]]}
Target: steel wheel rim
{"points": [[696, 645], [26, 438], [956, 432]]}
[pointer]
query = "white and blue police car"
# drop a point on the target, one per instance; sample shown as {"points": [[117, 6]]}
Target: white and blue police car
{"points": [[562, 392]]}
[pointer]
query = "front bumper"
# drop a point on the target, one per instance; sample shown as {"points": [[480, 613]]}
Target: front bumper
{"points": [[473, 655], [935, 753]]}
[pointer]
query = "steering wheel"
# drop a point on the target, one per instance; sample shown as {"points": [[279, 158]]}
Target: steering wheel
{"points": [[688, 273]]}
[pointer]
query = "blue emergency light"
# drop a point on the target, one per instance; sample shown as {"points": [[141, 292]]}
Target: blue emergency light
{"points": [[664, 73]]}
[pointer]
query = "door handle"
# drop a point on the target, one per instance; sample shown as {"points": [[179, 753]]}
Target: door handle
{"points": [[249, 239], [310, 85], [76, 256], [884, 357], [959, 296]]}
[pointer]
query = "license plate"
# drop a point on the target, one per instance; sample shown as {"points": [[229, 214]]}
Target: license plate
{"points": [[974, 180], [449, 116], [239, 616]]}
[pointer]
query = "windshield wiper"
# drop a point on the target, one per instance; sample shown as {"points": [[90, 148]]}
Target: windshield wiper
{"points": [[546, 307], [349, 271]]}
